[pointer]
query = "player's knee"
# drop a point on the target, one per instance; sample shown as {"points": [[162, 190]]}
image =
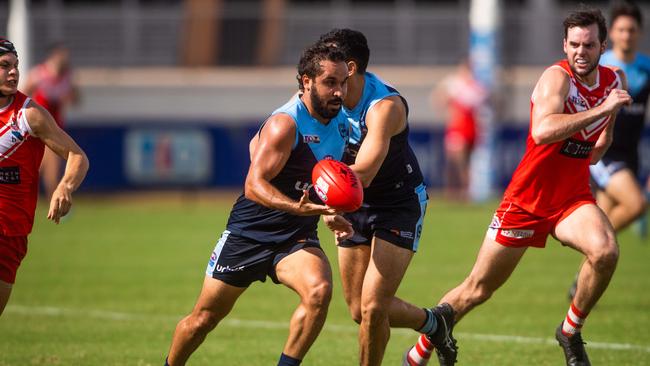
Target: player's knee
{"points": [[606, 256], [373, 310], [639, 207], [203, 322], [355, 312], [356, 316], [319, 296], [644, 205]]}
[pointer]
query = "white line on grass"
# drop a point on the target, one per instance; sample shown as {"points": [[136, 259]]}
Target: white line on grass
{"points": [[336, 328]]}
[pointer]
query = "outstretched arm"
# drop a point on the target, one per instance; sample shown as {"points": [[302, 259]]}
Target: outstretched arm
{"points": [[385, 119], [269, 155], [549, 122], [44, 128]]}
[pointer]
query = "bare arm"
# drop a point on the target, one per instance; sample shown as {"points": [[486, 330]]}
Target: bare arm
{"points": [[386, 119], [603, 143], [607, 136], [269, 157], [44, 127], [549, 122], [251, 146]]}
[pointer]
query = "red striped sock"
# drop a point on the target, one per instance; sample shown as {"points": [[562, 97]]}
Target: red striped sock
{"points": [[419, 354], [573, 321]]}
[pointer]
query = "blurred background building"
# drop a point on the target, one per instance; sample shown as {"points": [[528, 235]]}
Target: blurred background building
{"points": [[172, 90], [155, 33]]}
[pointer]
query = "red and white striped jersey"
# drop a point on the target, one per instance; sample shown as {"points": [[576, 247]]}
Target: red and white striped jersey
{"points": [[20, 158], [551, 176]]}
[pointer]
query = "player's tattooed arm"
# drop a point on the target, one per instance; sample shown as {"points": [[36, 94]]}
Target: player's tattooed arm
{"points": [[43, 127], [269, 156], [384, 120], [549, 122]]}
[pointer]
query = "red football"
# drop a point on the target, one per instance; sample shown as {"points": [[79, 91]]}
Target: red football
{"points": [[337, 185]]}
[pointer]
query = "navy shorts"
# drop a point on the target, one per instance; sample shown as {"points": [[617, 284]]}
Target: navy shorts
{"points": [[400, 225], [603, 170], [240, 261]]}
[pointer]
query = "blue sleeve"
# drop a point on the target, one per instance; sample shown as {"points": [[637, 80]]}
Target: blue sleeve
{"points": [[644, 62]]}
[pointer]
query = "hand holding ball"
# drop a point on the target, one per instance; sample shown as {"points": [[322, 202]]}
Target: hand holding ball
{"points": [[337, 185]]}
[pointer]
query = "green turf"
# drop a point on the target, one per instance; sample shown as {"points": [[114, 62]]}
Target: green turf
{"points": [[108, 285]]}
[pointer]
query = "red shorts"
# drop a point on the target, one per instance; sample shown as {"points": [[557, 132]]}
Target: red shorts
{"points": [[458, 140], [512, 226], [12, 252]]}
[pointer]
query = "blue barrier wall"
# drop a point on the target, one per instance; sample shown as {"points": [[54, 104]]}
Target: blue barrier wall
{"points": [[203, 154]]}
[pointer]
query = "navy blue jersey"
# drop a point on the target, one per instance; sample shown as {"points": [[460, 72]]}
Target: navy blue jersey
{"points": [[400, 173], [630, 119], [314, 141]]}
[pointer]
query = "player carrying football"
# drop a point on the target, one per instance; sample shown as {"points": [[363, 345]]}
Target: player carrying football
{"points": [[271, 231], [388, 226]]}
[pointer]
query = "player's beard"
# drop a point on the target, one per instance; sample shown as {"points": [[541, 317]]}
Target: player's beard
{"points": [[321, 106], [590, 69]]}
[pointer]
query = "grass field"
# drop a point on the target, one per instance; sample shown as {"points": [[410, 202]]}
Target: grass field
{"points": [[108, 285]]}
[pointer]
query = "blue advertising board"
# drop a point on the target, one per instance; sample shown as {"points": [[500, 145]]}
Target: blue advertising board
{"points": [[204, 154]]}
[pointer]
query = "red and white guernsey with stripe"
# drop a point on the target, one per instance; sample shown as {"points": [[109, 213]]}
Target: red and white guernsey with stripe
{"points": [[552, 176], [20, 158]]}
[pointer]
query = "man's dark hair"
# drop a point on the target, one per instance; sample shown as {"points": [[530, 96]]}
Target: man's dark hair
{"points": [[353, 44], [311, 57], [626, 8], [585, 18], [7, 47]]}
